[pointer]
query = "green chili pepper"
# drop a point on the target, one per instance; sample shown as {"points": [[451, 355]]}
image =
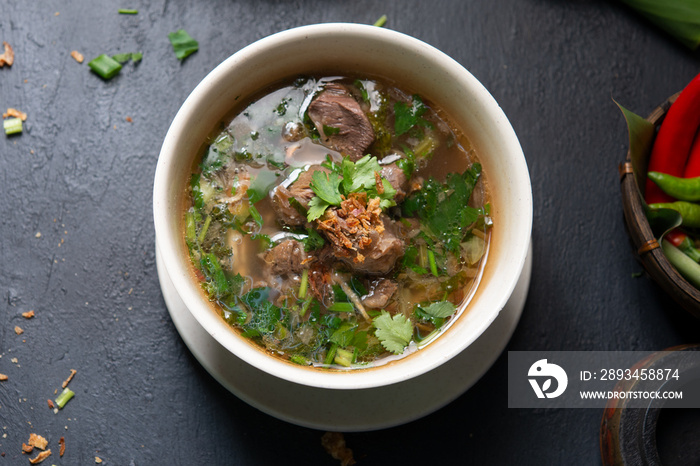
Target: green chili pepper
{"points": [[683, 189], [690, 212], [689, 249]]}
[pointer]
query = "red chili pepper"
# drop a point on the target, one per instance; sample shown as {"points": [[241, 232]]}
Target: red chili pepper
{"points": [[675, 237], [674, 139], [692, 168]]}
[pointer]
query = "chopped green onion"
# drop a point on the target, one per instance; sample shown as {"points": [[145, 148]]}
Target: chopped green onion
{"points": [[304, 283], [423, 256], [300, 359], [183, 44], [190, 229], [341, 307], [305, 306], [330, 356], [12, 126], [425, 146], [343, 357], [122, 57], [64, 397], [125, 57], [126, 11], [473, 248], [105, 66], [381, 21], [205, 227], [433, 264]]}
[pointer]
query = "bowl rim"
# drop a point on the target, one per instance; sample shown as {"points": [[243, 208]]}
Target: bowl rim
{"points": [[408, 367]]}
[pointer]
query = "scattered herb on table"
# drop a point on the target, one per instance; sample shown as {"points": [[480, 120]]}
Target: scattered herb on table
{"points": [[183, 44], [12, 126], [77, 56], [105, 66], [64, 397], [127, 11], [13, 112], [125, 57], [8, 55], [381, 21]]}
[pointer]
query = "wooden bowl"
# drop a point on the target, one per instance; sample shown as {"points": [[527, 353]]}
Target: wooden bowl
{"points": [[631, 434], [646, 247]]}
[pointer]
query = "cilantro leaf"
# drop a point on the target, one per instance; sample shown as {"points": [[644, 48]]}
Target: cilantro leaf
{"points": [[440, 309], [393, 333], [316, 208], [265, 315], [406, 117], [216, 277], [326, 186], [365, 95], [363, 174], [257, 218], [313, 240], [197, 196], [359, 341], [443, 208], [260, 186], [183, 44], [346, 178], [344, 335]]}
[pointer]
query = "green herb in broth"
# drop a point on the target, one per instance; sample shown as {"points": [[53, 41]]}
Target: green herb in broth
{"points": [[337, 255]]}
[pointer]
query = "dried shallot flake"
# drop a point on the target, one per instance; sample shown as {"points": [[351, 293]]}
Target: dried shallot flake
{"points": [[8, 56], [18, 330], [77, 56], [3, 377], [37, 441], [28, 314], [13, 112], [70, 377], [27, 449], [334, 444], [40, 457], [50, 403], [62, 446]]}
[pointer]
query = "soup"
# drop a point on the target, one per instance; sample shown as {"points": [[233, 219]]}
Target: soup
{"points": [[338, 222]]}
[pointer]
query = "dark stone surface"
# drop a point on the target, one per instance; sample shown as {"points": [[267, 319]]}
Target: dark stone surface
{"points": [[81, 175]]}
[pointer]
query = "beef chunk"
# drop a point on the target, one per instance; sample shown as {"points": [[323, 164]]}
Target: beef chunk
{"points": [[300, 190], [288, 257], [336, 108], [397, 178], [361, 236], [381, 254], [381, 291]]}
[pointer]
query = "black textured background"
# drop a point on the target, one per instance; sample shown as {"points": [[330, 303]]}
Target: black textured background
{"points": [[82, 177]]}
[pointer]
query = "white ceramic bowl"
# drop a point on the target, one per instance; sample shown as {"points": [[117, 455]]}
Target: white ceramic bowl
{"points": [[352, 49]]}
